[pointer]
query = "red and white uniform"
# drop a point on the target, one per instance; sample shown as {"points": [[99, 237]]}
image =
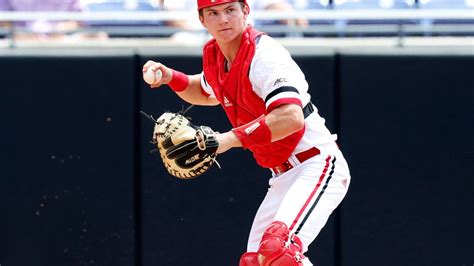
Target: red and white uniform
{"points": [[264, 76]]}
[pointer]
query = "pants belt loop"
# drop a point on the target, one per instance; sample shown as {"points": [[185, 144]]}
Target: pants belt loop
{"points": [[293, 160]]}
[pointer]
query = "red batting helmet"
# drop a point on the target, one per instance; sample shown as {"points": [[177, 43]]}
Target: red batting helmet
{"points": [[207, 3]]}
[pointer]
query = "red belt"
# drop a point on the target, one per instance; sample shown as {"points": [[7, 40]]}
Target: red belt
{"points": [[302, 156]]}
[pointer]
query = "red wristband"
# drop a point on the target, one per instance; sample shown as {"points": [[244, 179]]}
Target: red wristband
{"points": [[254, 133], [179, 81]]}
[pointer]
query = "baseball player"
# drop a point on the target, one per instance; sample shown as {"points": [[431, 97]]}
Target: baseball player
{"points": [[265, 96]]}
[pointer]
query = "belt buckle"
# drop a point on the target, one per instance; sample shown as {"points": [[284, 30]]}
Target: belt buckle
{"points": [[278, 169], [282, 168]]}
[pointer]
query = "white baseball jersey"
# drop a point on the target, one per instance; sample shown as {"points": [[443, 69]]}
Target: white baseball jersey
{"points": [[304, 196], [272, 67]]}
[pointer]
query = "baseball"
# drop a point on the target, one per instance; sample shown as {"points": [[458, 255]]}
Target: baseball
{"points": [[152, 77]]}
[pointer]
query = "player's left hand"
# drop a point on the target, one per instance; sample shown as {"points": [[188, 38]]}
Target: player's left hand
{"points": [[187, 151]]}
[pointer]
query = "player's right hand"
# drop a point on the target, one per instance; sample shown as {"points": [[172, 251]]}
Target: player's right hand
{"points": [[167, 74]]}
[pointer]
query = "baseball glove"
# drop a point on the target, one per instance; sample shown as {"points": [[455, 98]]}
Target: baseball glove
{"points": [[187, 151]]}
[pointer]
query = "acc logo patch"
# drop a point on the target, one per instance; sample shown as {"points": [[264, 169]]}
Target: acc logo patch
{"points": [[280, 80]]}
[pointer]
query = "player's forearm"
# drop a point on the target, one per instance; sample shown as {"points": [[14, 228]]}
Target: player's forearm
{"points": [[193, 94], [284, 121], [227, 141], [278, 124]]}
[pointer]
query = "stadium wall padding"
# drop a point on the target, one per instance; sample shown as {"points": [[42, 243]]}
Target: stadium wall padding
{"points": [[407, 129], [68, 167], [79, 185]]}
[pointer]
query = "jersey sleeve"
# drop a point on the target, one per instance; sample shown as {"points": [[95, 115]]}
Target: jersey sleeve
{"points": [[206, 89], [275, 76]]}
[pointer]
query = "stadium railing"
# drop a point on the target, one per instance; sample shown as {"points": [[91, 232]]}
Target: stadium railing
{"points": [[403, 22]]}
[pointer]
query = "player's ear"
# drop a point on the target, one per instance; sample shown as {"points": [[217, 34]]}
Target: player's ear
{"points": [[246, 11], [201, 19]]}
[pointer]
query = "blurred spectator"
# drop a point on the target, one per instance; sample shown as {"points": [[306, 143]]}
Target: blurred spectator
{"points": [[122, 28], [277, 5], [397, 4], [302, 5], [121, 6], [310, 4], [370, 4], [429, 25], [470, 3], [442, 4], [385, 27], [192, 20], [188, 29], [41, 29]]}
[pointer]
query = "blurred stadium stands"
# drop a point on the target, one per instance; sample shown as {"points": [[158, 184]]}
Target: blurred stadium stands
{"points": [[433, 26], [120, 6], [378, 27], [121, 28], [326, 18]]}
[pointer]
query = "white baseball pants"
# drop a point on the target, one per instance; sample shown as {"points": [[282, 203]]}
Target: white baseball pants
{"points": [[303, 198]]}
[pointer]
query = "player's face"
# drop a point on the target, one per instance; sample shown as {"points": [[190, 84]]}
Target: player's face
{"points": [[225, 22]]}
